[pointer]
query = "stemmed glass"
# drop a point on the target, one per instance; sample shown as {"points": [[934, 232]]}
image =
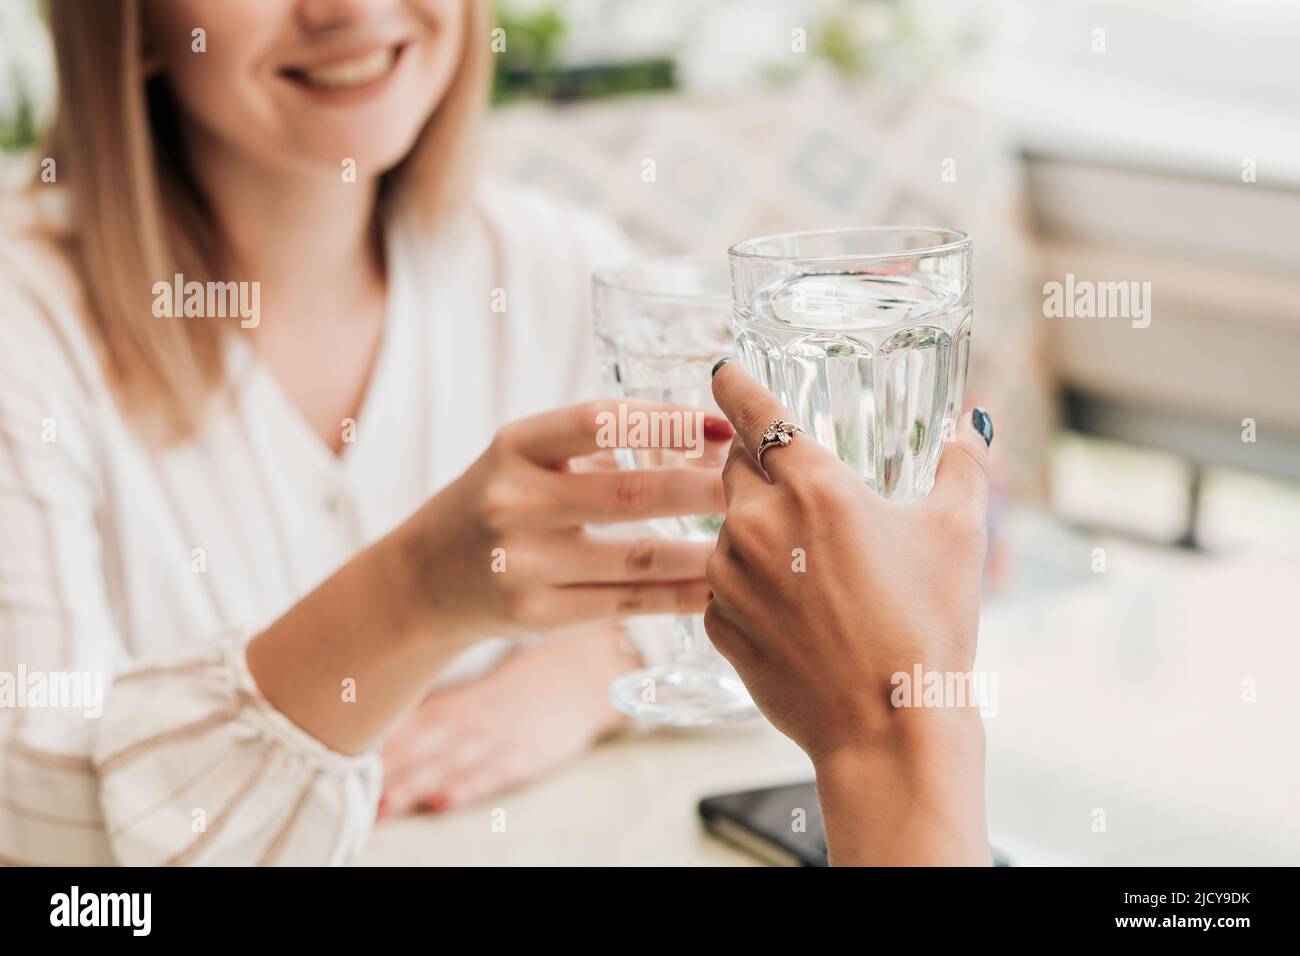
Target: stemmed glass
{"points": [[661, 324]]}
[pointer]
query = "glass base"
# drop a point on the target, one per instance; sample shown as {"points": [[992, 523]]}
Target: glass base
{"points": [[682, 696]]}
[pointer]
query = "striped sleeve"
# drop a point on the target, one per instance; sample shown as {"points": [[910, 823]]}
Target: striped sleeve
{"points": [[195, 767], [108, 759]]}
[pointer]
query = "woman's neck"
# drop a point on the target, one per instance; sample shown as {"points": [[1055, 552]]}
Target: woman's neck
{"points": [[312, 243], [310, 239]]}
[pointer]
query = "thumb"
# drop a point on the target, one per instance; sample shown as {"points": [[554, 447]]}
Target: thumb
{"points": [[962, 480]]}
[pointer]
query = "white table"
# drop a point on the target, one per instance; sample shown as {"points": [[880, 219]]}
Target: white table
{"points": [[629, 802], [1128, 695], [1120, 692]]}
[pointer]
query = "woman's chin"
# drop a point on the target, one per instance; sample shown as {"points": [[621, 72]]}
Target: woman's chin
{"points": [[358, 158]]}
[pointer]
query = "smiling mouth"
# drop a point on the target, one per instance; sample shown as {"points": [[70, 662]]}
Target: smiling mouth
{"points": [[348, 74]]}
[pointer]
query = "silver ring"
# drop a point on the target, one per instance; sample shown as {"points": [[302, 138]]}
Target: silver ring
{"points": [[777, 435]]}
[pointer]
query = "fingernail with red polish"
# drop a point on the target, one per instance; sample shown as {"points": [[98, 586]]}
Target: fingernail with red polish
{"points": [[436, 804], [717, 429]]}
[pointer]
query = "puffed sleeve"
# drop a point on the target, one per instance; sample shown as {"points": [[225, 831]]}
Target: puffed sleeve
{"points": [[195, 766], [105, 758]]}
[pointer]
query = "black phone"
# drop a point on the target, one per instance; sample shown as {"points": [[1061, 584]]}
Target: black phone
{"points": [[779, 825]]}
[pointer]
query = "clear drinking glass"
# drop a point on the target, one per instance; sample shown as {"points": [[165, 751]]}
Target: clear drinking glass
{"points": [[864, 334], [661, 324]]}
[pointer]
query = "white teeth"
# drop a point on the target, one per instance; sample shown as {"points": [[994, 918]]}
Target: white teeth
{"points": [[350, 73]]}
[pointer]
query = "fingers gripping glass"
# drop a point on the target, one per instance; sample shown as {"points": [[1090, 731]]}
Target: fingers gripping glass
{"points": [[661, 324]]}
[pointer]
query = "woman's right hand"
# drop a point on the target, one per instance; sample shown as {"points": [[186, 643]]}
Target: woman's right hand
{"points": [[506, 549], [825, 597]]}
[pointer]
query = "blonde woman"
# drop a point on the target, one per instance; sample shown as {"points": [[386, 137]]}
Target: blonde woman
{"points": [[273, 532]]}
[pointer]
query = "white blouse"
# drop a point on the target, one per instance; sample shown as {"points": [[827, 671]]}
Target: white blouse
{"points": [[147, 569]]}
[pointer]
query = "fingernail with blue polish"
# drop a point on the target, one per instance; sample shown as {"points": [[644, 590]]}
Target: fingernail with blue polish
{"points": [[983, 424], [721, 362]]}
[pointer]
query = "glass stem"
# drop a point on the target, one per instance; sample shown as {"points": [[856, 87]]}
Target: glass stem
{"points": [[684, 629]]}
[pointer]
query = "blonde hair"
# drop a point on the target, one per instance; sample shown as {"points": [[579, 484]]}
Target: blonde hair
{"points": [[139, 218]]}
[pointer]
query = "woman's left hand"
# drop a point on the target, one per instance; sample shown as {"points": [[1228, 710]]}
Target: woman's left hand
{"points": [[541, 706]]}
